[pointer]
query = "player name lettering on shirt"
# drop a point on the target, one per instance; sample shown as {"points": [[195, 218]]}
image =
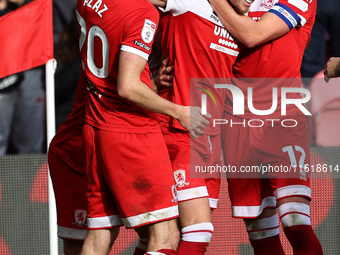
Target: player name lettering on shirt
{"points": [[97, 6]]}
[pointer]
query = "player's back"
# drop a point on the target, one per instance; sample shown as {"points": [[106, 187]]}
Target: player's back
{"points": [[107, 27]]}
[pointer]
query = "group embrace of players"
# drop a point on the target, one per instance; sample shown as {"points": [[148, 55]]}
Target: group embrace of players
{"points": [[123, 156]]}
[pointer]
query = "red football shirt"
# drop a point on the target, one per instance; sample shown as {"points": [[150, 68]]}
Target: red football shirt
{"points": [[202, 48], [278, 59], [108, 27]]}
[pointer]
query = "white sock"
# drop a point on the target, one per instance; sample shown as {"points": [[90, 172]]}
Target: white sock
{"points": [[200, 233]]}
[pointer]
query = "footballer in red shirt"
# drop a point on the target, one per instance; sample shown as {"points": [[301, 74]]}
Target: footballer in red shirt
{"points": [[201, 50], [273, 38], [128, 171]]}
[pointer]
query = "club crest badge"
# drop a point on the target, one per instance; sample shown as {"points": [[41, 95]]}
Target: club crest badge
{"points": [[80, 218], [180, 178], [267, 3], [148, 31]]}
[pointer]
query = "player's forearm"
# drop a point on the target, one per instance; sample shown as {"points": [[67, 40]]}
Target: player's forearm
{"points": [[189, 117], [245, 29], [131, 87], [140, 94], [240, 26]]}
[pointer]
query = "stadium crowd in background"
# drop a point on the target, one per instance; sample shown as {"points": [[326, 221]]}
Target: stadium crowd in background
{"points": [[67, 72], [325, 39], [22, 95], [22, 105], [66, 53]]}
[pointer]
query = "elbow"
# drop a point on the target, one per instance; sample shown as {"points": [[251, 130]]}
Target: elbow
{"points": [[249, 42], [124, 92]]}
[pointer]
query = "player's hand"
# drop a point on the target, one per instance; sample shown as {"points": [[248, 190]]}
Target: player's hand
{"points": [[3, 5], [193, 121], [165, 75], [332, 69]]}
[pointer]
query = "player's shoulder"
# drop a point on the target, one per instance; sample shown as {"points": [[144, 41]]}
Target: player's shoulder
{"points": [[125, 8], [178, 7], [143, 6], [139, 10], [265, 5], [302, 6]]}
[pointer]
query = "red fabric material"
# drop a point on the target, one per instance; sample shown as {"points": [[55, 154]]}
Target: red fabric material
{"points": [[26, 37], [268, 246], [192, 248], [303, 240]]}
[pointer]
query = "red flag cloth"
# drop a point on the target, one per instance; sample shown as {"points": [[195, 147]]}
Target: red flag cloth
{"points": [[26, 37]]}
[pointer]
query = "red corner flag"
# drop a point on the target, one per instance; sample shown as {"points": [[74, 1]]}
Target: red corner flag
{"points": [[26, 37]]}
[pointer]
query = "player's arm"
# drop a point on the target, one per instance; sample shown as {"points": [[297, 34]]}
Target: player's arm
{"points": [[158, 3], [133, 89], [245, 29], [332, 68]]}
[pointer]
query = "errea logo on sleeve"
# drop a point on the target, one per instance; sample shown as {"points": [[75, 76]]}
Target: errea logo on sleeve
{"points": [[148, 31]]}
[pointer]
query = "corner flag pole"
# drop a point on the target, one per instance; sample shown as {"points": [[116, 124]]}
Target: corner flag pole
{"points": [[50, 68]]}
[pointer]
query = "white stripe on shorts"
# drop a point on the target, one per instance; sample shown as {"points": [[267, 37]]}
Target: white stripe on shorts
{"points": [[104, 222], [71, 233], [253, 211], [293, 190], [192, 193], [149, 217]]}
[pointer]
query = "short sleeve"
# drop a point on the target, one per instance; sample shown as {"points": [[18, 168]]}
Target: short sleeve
{"points": [[139, 32], [294, 12], [178, 7]]}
